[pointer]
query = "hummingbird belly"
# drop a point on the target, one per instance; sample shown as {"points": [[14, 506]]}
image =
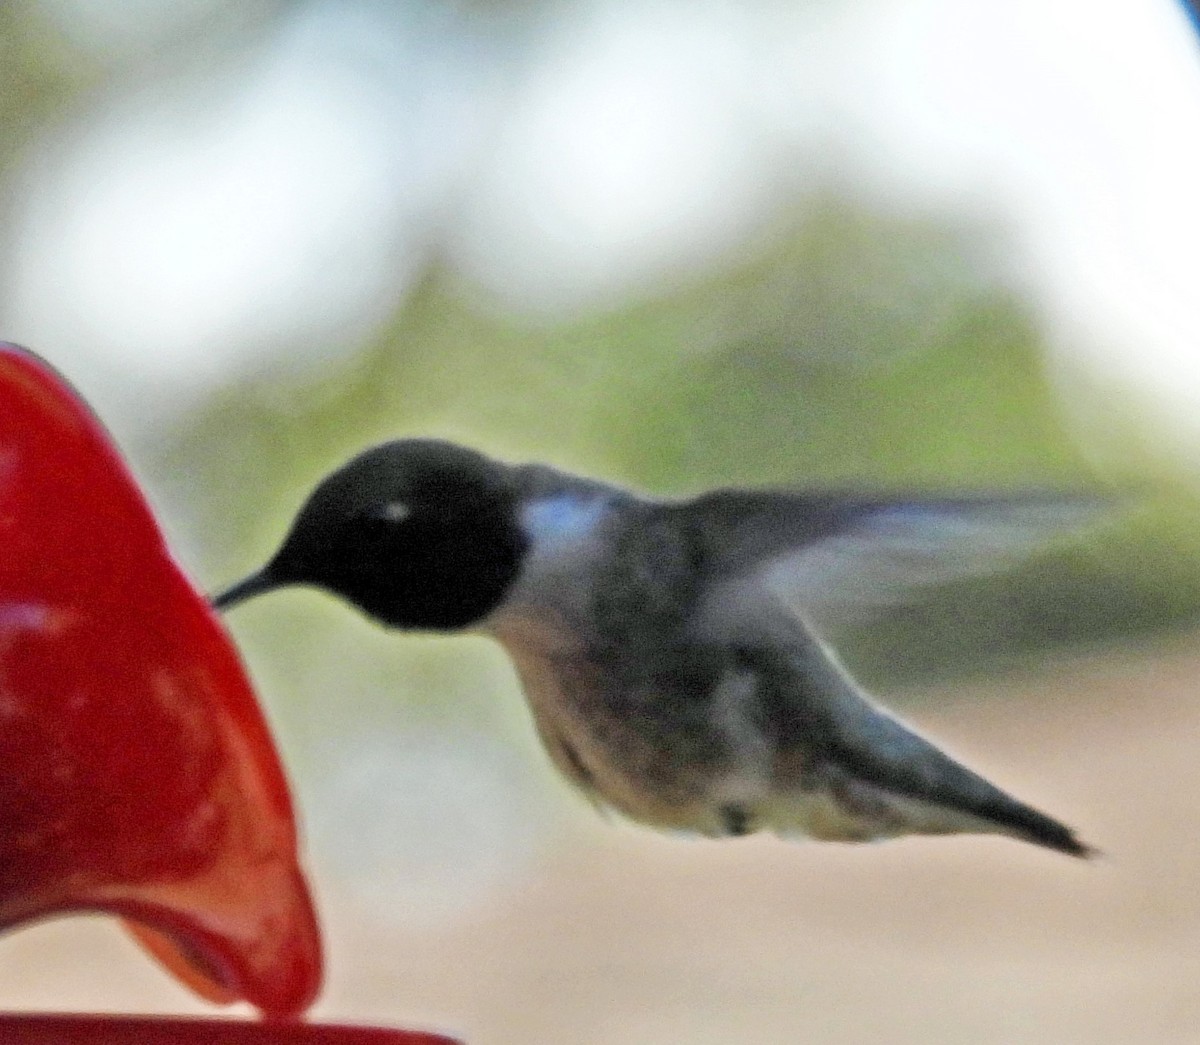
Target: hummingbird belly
{"points": [[638, 752]]}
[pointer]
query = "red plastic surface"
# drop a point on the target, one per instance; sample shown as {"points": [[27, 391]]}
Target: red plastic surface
{"points": [[40, 1029], [137, 775]]}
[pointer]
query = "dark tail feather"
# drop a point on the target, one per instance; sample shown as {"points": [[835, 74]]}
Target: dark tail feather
{"points": [[886, 753], [1028, 823], [837, 725]]}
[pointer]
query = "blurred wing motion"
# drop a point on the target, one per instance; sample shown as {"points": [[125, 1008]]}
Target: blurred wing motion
{"points": [[838, 559]]}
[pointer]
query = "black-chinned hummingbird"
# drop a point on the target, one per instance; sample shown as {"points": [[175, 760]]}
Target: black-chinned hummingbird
{"points": [[667, 648]]}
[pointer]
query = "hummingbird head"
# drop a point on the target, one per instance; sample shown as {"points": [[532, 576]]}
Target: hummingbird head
{"points": [[416, 533]]}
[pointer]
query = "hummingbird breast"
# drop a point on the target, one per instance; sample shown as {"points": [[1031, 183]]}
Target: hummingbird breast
{"points": [[651, 754]]}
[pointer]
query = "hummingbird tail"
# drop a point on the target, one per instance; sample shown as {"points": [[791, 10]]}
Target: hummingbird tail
{"points": [[852, 771], [930, 792], [1016, 818]]}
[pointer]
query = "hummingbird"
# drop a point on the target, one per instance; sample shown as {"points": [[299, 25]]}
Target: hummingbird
{"points": [[672, 651]]}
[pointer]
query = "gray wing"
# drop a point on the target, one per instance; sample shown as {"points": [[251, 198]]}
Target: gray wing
{"points": [[839, 558]]}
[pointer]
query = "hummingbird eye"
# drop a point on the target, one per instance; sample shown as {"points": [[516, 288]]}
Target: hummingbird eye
{"points": [[386, 515], [395, 511]]}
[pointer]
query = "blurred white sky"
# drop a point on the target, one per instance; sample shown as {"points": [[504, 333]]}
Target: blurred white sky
{"points": [[273, 207]]}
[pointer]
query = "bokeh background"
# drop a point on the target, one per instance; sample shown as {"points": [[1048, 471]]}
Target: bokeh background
{"points": [[679, 243]]}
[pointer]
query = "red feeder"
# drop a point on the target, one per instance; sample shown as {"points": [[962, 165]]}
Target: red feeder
{"points": [[137, 774]]}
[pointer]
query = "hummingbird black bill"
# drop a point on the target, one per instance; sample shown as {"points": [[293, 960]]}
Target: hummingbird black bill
{"points": [[256, 584]]}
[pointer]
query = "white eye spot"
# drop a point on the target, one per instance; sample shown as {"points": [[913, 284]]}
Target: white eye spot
{"points": [[396, 511]]}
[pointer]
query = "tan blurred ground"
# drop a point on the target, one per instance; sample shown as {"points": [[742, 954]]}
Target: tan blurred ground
{"points": [[624, 937]]}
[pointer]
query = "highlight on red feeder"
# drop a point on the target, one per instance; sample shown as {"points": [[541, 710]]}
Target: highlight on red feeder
{"points": [[137, 774]]}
